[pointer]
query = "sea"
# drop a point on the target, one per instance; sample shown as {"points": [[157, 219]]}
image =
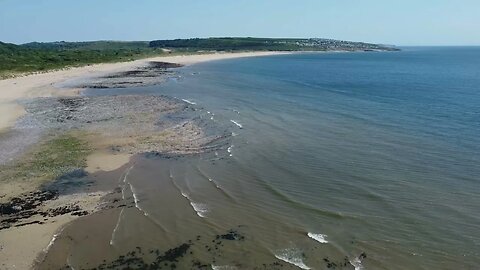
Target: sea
{"points": [[341, 160]]}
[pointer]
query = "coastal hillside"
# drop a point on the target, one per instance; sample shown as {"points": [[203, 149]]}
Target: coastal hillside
{"points": [[266, 44], [89, 45], [37, 56]]}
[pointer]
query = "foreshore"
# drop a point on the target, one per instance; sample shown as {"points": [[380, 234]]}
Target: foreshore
{"points": [[36, 99], [43, 84]]}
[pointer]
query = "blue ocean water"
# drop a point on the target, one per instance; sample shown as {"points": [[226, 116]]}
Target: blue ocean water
{"points": [[374, 152]]}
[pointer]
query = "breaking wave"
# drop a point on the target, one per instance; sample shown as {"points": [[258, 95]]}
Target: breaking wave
{"points": [[189, 102], [116, 227], [357, 263], [229, 150], [321, 238], [292, 256], [236, 123], [54, 238], [136, 200], [200, 208]]}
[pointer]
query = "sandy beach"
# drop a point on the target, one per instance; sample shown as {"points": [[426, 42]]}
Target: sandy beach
{"points": [[33, 233], [43, 84]]}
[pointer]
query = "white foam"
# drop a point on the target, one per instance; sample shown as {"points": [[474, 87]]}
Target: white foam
{"points": [[123, 192], [116, 227], [236, 123], [215, 183], [189, 102], [200, 208], [136, 200], [292, 256], [357, 263], [124, 180], [229, 150], [127, 173], [52, 241], [321, 238]]}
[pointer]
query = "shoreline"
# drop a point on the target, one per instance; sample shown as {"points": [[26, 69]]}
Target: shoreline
{"points": [[43, 84], [34, 235]]}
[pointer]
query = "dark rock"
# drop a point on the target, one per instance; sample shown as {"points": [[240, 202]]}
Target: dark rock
{"points": [[362, 256], [231, 235]]}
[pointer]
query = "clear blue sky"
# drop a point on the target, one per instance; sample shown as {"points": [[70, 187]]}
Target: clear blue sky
{"points": [[401, 22]]}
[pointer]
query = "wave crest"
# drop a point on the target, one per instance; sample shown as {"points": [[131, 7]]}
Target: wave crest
{"points": [[292, 256], [321, 238]]}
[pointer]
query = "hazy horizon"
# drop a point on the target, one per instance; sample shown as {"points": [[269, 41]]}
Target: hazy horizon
{"points": [[409, 23]]}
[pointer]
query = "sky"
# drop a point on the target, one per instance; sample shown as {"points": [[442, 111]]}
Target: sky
{"points": [[400, 22]]}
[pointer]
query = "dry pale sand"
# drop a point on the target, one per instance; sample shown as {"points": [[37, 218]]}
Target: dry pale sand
{"points": [[20, 247]]}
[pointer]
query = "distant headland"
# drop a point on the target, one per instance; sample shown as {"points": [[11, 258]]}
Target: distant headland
{"points": [[44, 56]]}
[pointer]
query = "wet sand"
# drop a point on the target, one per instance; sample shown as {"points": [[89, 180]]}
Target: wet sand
{"points": [[113, 136], [155, 220], [115, 127]]}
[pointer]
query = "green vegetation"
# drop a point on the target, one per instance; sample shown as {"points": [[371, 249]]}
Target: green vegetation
{"points": [[49, 161], [36, 56], [225, 44], [47, 56], [90, 45], [265, 44]]}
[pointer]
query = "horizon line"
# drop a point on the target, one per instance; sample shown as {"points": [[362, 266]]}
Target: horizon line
{"points": [[133, 40]]}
